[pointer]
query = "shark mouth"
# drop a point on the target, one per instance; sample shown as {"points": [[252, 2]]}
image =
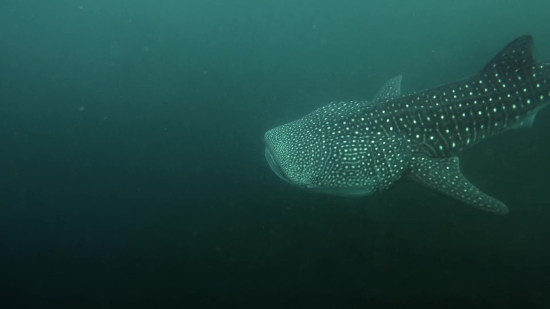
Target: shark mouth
{"points": [[273, 164]]}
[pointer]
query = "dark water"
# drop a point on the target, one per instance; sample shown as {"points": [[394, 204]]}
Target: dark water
{"points": [[132, 172]]}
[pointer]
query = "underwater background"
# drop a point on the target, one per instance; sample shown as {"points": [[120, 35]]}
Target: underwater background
{"points": [[132, 169]]}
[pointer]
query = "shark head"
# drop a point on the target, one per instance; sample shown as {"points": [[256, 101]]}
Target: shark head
{"points": [[290, 152], [321, 153], [344, 166]]}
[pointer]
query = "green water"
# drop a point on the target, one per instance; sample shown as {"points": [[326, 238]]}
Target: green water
{"points": [[132, 172]]}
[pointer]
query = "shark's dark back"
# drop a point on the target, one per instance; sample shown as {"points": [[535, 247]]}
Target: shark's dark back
{"points": [[506, 94]]}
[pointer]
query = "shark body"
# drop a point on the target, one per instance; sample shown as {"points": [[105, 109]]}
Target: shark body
{"points": [[362, 148]]}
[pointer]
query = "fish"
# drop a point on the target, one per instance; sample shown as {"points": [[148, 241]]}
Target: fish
{"points": [[361, 148]]}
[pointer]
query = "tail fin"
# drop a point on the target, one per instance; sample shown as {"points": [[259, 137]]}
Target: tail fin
{"points": [[517, 55]]}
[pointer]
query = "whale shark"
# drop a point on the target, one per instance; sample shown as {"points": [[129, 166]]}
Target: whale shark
{"points": [[361, 148]]}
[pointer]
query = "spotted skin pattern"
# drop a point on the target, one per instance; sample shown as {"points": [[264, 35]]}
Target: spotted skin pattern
{"points": [[361, 148]]}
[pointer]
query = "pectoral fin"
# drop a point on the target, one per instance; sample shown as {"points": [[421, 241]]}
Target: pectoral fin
{"points": [[444, 176]]}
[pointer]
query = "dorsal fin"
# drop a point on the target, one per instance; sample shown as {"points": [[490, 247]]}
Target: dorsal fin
{"points": [[517, 54], [390, 90]]}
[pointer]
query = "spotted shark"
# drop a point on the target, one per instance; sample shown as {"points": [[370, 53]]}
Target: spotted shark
{"points": [[359, 148]]}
